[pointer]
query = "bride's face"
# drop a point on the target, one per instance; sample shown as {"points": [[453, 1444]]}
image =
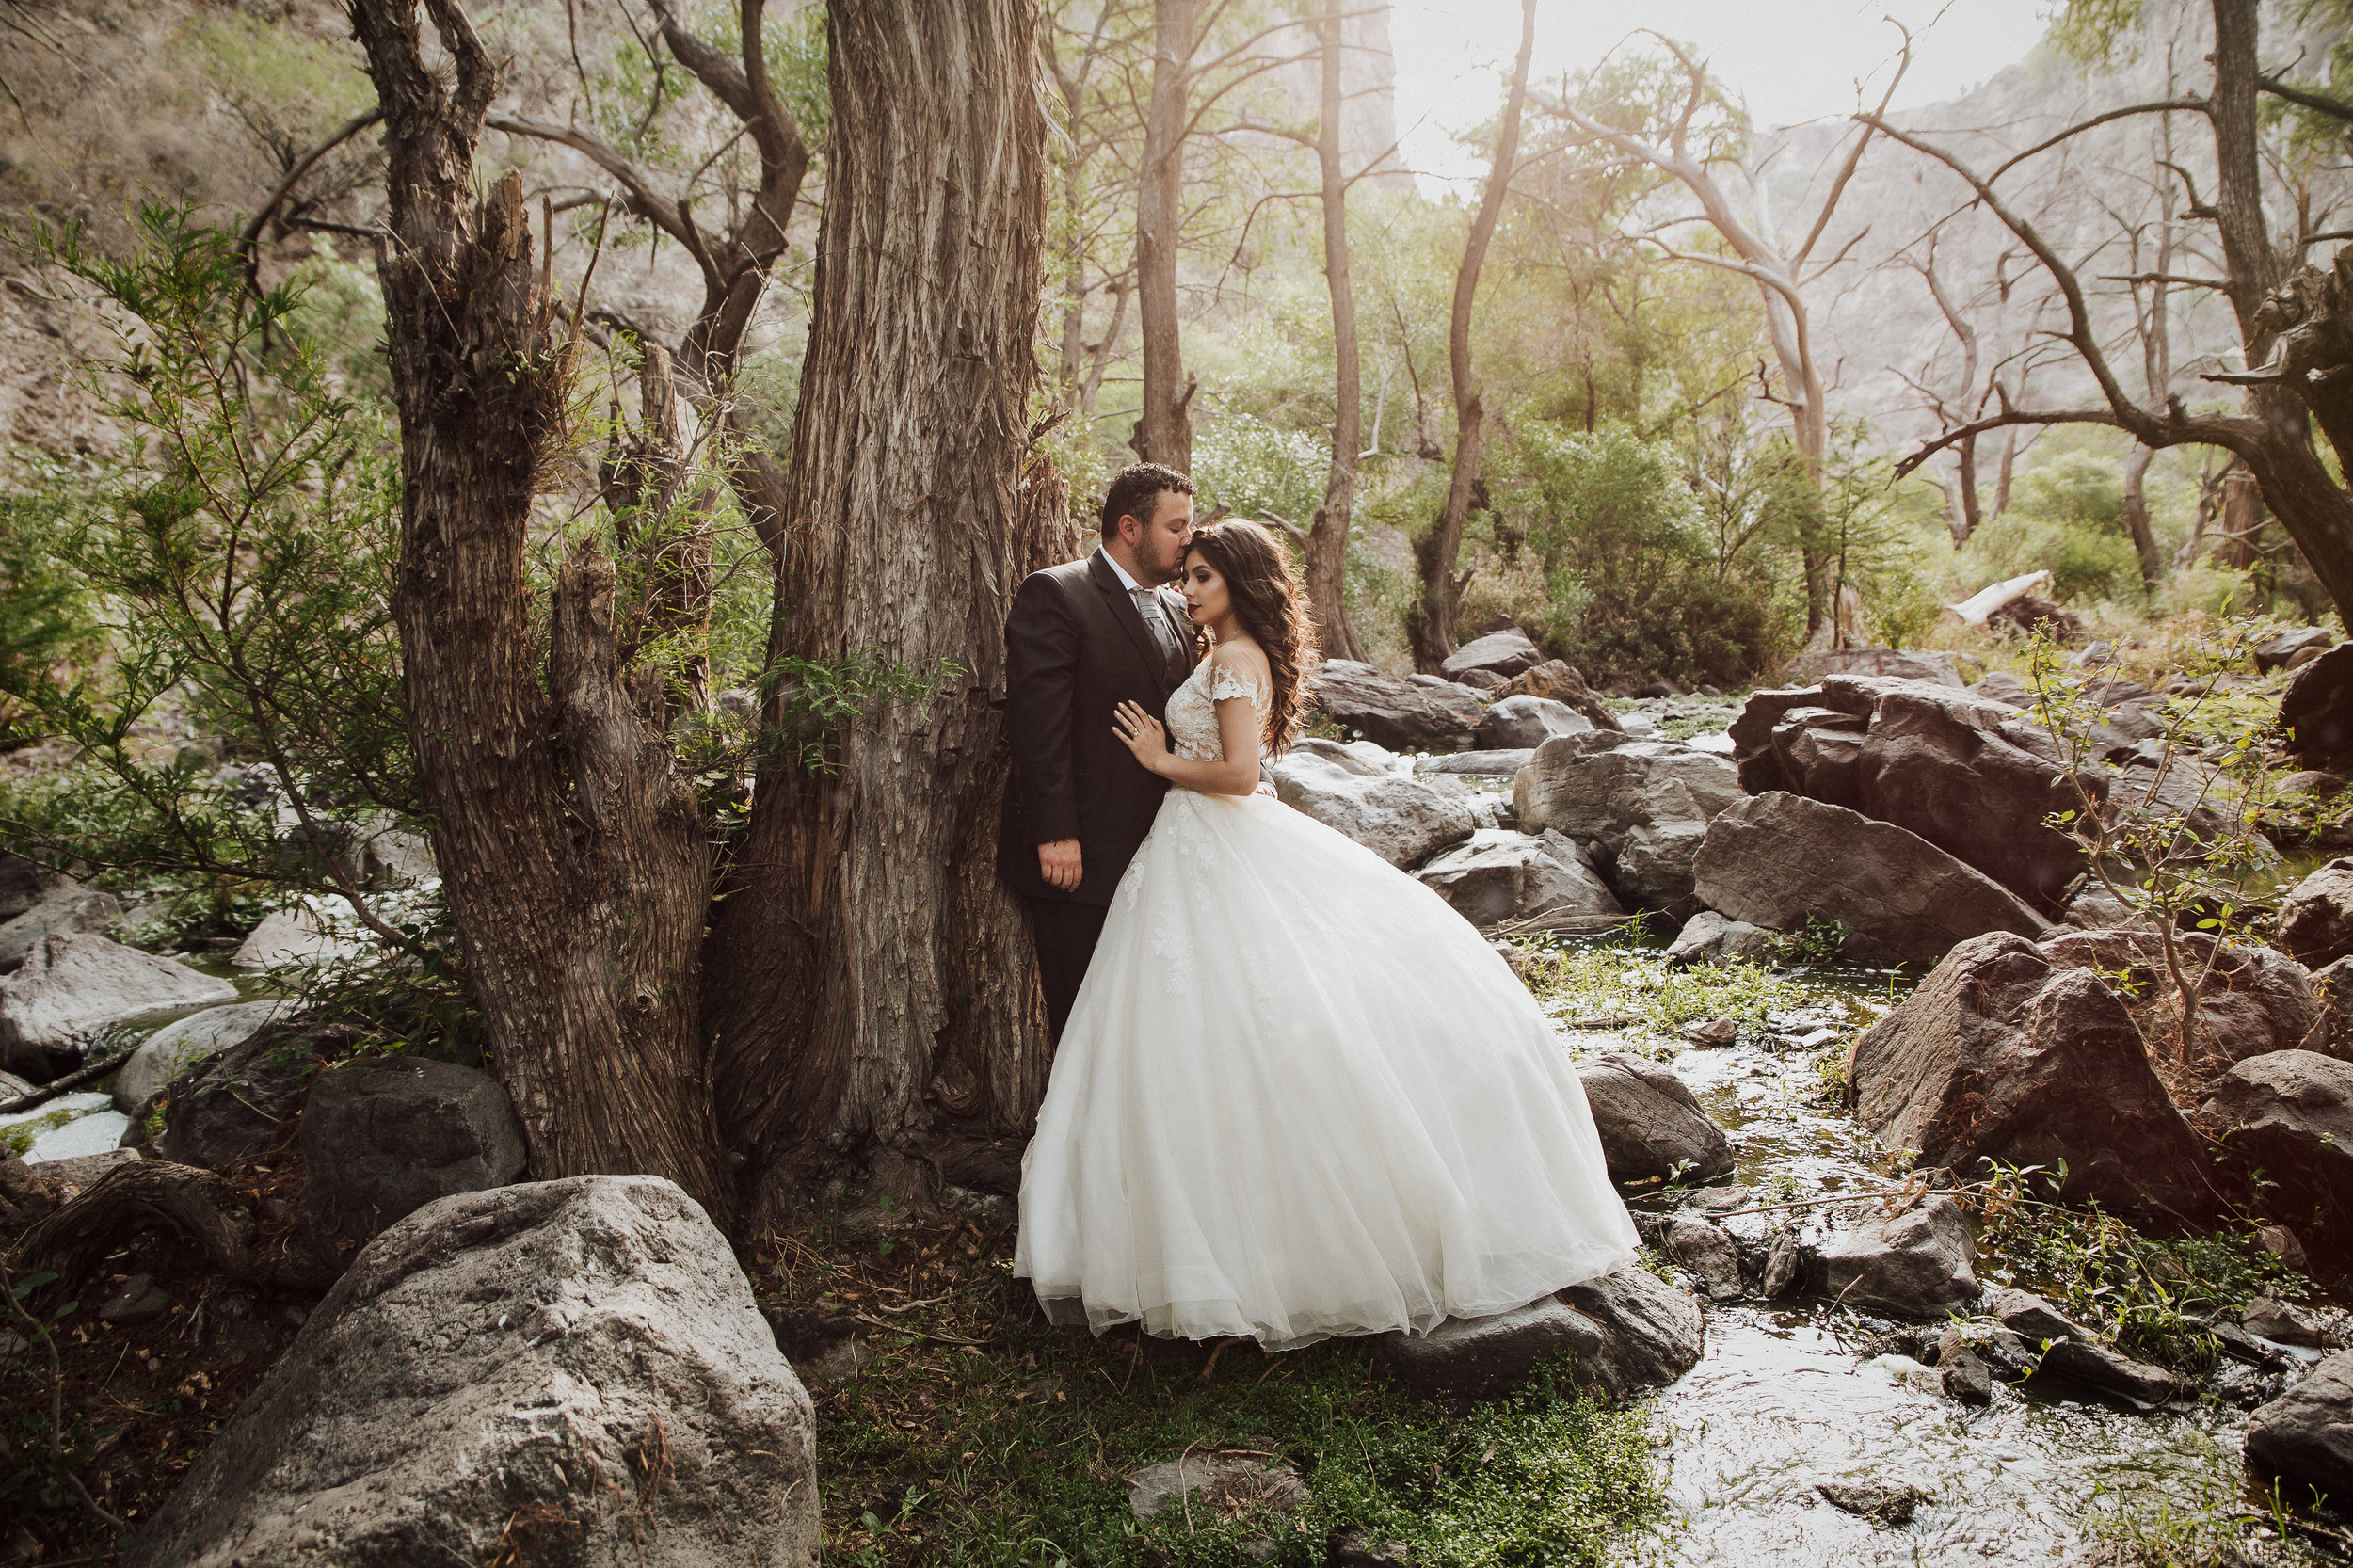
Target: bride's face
{"points": [[1205, 591]]}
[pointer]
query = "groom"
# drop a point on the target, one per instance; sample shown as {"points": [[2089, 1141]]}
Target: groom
{"points": [[1082, 638]]}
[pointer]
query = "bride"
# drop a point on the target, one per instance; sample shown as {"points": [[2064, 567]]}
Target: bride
{"points": [[1298, 1096]]}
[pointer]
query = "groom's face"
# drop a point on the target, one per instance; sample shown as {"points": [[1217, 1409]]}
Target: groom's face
{"points": [[1164, 538]]}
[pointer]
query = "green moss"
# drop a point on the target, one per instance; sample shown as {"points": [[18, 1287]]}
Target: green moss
{"points": [[19, 1137]]}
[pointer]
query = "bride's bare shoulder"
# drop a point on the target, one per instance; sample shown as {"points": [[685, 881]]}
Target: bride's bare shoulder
{"points": [[1241, 657]]}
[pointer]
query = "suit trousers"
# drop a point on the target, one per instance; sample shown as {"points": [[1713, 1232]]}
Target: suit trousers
{"points": [[1067, 934]]}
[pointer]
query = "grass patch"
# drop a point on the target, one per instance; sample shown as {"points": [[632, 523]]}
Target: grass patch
{"points": [[978, 1434], [2147, 1293], [1683, 726], [1621, 978], [2130, 1523]]}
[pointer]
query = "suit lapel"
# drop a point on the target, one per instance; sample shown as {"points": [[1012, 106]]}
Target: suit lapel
{"points": [[1100, 573]]}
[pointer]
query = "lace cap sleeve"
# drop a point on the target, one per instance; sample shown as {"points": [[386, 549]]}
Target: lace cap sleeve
{"points": [[1225, 683]]}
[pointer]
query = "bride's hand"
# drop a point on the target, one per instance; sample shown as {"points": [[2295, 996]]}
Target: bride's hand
{"points": [[1140, 733]]}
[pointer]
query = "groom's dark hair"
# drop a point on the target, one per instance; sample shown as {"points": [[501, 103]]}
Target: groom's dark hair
{"points": [[1135, 492]]}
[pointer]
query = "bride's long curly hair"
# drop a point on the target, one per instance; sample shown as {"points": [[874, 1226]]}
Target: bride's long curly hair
{"points": [[1272, 605]]}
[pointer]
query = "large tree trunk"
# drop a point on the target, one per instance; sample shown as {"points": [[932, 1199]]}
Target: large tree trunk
{"points": [[868, 971], [1441, 588], [1327, 539], [574, 861], [1163, 431], [2312, 507]]}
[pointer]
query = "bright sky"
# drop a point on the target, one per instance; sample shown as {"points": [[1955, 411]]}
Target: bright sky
{"points": [[1791, 59]]}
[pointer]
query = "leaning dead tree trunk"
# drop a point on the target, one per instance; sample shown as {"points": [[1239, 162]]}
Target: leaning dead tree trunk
{"points": [[1327, 539], [576, 864], [869, 976], [1163, 431], [2272, 438], [1432, 626]]}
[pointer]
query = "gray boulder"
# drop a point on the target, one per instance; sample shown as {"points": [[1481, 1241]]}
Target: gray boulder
{"points": [[179, 1045], [2316, 711], [1563, 683], [294, 937], [2273, 652], [1773, 860], [1626, 1331], [1643, 804], [1397, 816], [1710, 1254], [1492, 765], [384, 1136], [2005, 688], [1651, 1332], [2306, 1434], [2097, 909], [1651, 1127], [1403, 715], [1709, 937], [65, 906], [1357, 756], [240, 1104], [23, 882], [2315, 922], [2031, 1317], [2331, 987], [1528, 721], [1501, 875], [1483, 1359], [2002, 1053], [1506, 654], [2289, 1114], [1223, 1484], [516, 1353], [1978, 780], [73, 985], [1818, 752], [1919, 1264], [2092, 1365]]}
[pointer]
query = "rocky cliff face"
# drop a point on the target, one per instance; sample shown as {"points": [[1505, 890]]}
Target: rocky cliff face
{"points": [[2101, 199]]}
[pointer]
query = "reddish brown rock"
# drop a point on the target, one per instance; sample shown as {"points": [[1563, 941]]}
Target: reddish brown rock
{"points": [[2004, 1054]]}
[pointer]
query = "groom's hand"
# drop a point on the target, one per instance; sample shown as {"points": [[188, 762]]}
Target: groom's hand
{"points": [[1058, 862]]}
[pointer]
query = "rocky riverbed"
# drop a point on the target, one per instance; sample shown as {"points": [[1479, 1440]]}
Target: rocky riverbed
{"points": [[1793, 1396], [1826, 1354]]}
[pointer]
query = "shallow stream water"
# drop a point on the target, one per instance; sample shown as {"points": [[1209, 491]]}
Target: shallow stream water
{"points": [[86, 1120], [1787, 1397]]}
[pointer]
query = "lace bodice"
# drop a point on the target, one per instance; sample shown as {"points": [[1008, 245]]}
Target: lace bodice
{"points": [[1191, 712]]}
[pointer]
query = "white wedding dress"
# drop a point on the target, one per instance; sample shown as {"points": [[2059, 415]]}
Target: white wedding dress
{"points": [[1298, 1096]]}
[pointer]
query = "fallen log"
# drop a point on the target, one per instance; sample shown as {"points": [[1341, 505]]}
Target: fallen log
{"points": [[1978, 606]]}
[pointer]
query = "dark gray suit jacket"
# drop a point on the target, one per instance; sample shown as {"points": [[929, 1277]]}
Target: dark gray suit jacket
{"points": [[1075, 649]]}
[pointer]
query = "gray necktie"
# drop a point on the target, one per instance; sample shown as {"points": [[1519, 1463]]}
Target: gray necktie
{"points": [[1149, 606]]}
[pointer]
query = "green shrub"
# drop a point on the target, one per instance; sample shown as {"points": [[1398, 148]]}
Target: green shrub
{"points": [[2087, 562], [1635, 588], [1255, 470], [47, 618]]}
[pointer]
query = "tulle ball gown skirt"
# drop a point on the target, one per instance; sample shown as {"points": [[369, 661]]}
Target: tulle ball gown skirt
{"points": [[1300, 1096]]}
